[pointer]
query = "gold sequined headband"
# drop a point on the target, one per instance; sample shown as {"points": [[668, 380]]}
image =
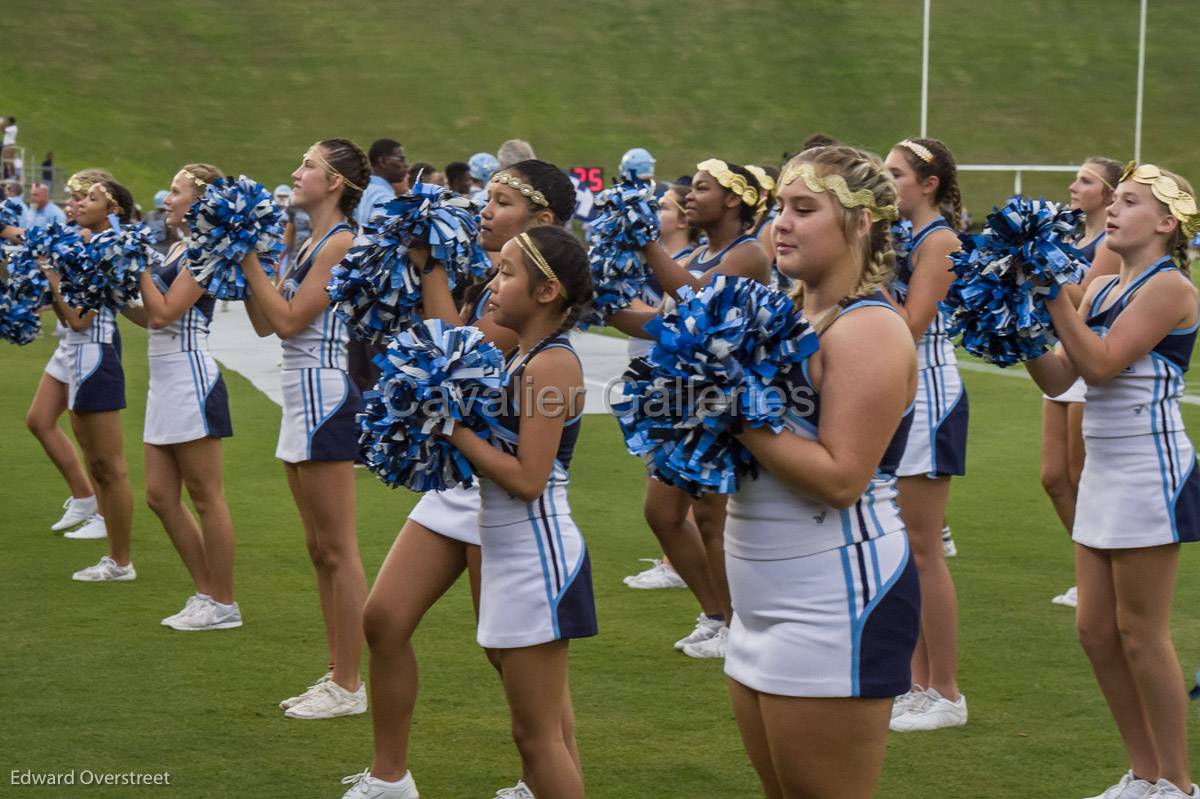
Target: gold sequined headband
{"points": [[528, 192], [314, 153], [917, 149], [1097, 176], [112, 201], [731, 180], [78, 184], [863, 198], [530, 249], [764, 179], [1181, 204], [201, 186]]}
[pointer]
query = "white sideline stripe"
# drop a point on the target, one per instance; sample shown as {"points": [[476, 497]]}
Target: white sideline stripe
{"points": [[987, 368]]}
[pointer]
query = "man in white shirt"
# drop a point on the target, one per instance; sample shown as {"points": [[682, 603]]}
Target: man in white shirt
{"points": [[42, 212]]}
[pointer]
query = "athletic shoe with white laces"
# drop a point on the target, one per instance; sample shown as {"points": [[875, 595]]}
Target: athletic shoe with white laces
{"points": [[1068, 598], [711, 648], [208, 614], [364, 786], [932, 712], [705, 628], [328, 701], [659, 575], [292, 701], [106, 570], [94, 527], [518, 791], [188, 607], [906, 701], [1129, 787], [1164, 789], [948, 547], [75, 511]]}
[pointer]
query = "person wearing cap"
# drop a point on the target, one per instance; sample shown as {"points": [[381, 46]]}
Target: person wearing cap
{"points": [[41, 212], [156, 220], [638, 163], [482, 166]]}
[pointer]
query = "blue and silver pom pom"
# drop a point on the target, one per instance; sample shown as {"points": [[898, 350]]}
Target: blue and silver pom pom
{"points": [[1004, 277], [627, 222], [107, 276], [376, 289], [11, 214], [231, 220], [432, 377], [714, 365], [902, 235]]}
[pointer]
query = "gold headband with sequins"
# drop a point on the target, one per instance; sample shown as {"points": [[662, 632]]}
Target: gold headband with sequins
{"points": [[112, 201], [1181, 204], [863, 198], [528, 192], [314, 153], [201, 186], [917, 149], [731, 180], [78, 184], [525, 242], [764, 179]]}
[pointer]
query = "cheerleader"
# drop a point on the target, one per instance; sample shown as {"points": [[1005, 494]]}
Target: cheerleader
{"points": [[187, 415], [318, 435], [927, 185], [50, 403], [724, 203], [96, 392], [440, 539], [825, 591], [1131, 340], [1062, 416], [536, 588]]}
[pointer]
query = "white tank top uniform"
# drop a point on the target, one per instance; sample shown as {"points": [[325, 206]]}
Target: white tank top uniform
{"points": [[187, 399], [652, 294], [937, 442], [59, 365], [1078, 390], [454, 512], [826, 602], [1139, 486], [96, 378], [320, 401], [536, 583]]}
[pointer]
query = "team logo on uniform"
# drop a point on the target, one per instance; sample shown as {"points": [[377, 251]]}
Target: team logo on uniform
{"points": [[820, 517]]}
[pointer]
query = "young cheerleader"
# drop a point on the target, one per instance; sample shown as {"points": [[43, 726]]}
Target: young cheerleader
{"points": [[96, 393], [1062, 416], [440, 539], [1131, 340], [826, 593], [318, 436], [187, 415], [50, 403], [927, 185], [724, 203]]}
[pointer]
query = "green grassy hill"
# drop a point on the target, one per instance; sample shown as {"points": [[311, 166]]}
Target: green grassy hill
{"points": [[145, 87]]}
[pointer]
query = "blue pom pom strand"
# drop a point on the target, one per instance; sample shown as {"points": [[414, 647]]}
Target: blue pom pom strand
{"points": [[627, 222], [27, 288], [11, 214], [902, 235], [715, 364], [233, 219], [1003, 278], [376, 289], [107, 275], [432, 377]]}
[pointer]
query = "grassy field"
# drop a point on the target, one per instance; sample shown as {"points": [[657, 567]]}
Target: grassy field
{"points": [[93, 681], [144, 87]]}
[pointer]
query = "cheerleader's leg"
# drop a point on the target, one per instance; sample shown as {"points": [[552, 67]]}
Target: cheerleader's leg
{"points": [[164, 495], [99, 435], [203, 474], [666, 511], [749, 719], [48, 405]]}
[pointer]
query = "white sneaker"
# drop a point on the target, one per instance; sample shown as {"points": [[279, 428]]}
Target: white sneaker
{"points": [[93, 528], [659, 575], [208, 614], [709, 648], [705, 628], [906, 701], [1164, 789], [330, 700], [106, 570], [518, 791], [948, 547], [188, 607], [75, 511], [1069, 598], [364, 786], [932, 712], [292, 701], [1128, 788]]}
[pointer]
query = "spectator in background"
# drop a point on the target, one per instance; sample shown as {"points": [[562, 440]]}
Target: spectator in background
{"points": [[640, 164], [42, 212], [298, 228], [423, 172], [514, 151], [48, 169], [13, 191], [8, 152], [156, 221], [389, 177], [458, 178], [482, 166]]}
